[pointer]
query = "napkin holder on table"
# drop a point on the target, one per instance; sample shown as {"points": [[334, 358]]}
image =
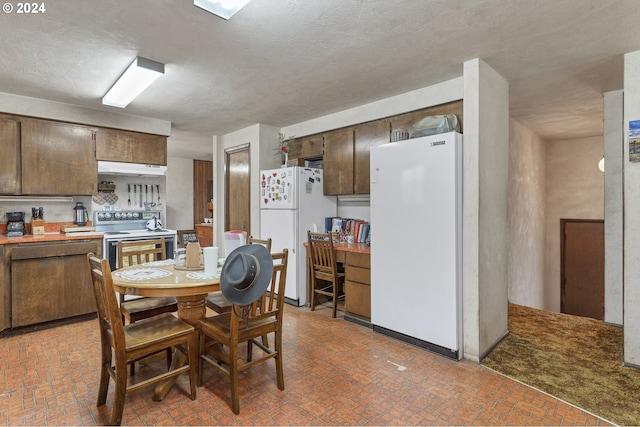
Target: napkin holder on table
{"points": [[193, 255]]}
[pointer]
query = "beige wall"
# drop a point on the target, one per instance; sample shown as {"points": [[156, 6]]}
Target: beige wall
{"points": [[527, 157], [179, 194], [575, 190]]}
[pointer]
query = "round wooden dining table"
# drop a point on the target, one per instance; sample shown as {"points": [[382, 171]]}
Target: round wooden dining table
{"points": [[163, 279]]}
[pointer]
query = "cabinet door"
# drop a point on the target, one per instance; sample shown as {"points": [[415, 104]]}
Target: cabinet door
{"points": [[338, 162], [365, 136], [57, 159], [309, 147], [10, 158], [131, 147]]}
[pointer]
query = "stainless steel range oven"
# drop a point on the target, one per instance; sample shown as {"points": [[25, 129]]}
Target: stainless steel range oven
{"points": [[129, 225]]}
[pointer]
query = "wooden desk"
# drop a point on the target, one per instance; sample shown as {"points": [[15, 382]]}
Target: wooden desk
{"points": [[357, 260], [190, 292]]}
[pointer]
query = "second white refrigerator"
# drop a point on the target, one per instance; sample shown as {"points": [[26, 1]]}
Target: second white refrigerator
{"points": [[416, 248], [292, 202]]}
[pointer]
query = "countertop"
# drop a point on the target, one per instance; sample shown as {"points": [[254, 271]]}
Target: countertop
{"points": [[48, 237], [361, 248]]}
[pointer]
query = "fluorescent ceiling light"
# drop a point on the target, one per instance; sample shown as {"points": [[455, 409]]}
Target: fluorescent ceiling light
{"points": [[223, 8], [140, 74]]}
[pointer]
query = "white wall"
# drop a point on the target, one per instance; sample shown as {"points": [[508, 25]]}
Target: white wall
{"points": [[575, 190], [631, 217], [486, 165], [179, 194], [527, 198], [613, 213]]}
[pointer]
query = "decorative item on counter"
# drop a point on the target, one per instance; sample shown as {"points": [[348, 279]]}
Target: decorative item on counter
{"points": [[283, 147], [37, 221], [193, 255], [81, 214]]}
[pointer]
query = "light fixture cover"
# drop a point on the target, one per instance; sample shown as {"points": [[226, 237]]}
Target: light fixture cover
{"points": [[136, 78], [223, 8]]}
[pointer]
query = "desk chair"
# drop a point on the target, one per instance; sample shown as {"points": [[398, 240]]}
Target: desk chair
{"points": [[325, 278], [246, 324], [134, 341], [215, 300], [137, 252]]}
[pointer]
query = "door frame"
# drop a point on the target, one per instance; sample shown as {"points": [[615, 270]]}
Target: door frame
{"points": [[563, 222], [227, 152]]}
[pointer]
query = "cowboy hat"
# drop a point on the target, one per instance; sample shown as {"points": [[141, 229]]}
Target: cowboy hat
{"points": [[246, 274]]}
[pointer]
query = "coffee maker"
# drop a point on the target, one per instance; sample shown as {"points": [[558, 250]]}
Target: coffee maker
{"points": [[15, 224]]}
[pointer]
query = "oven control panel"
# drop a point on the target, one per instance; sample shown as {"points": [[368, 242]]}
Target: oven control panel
{"points": [[102, 217]]}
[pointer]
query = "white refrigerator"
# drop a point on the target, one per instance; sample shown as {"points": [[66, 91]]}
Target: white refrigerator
{"points": [[416, 245], [292, 202]]}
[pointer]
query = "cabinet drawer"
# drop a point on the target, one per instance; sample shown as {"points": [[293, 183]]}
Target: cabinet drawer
{"points": [[358, 274], [358, 299], [358, 259]]}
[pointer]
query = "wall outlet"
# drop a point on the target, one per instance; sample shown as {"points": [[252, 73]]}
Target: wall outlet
{"points": [[3, 215]]}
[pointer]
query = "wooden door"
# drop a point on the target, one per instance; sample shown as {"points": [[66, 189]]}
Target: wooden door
{"points": [[237, 214], [202, 189], [582, 267]]}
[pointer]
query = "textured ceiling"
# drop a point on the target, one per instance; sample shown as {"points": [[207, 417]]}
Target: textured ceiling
{"points": [[281, 62]]}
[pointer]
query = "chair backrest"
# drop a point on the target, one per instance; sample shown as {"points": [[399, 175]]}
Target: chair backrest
{"points": [[264, 242], [111, 327], [271, 304], [322, 254], [132, 252]]}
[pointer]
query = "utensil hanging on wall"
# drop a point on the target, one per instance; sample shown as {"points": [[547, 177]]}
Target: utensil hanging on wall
{"points": [[158, 188]]}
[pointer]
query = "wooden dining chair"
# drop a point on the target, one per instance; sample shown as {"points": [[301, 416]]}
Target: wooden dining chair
{"points": [[129, 343], [215, 300], [326, 280], [137, 252], [220, 335]]}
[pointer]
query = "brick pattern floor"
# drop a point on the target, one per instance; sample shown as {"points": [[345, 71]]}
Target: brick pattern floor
{"points": [[336, 373]]}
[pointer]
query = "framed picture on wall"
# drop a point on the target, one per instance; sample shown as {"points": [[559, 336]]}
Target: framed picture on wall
{"points": [[186, 236], [634, 140]]}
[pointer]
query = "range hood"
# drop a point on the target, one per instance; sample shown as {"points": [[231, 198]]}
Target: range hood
{"points": [[131, 169]]}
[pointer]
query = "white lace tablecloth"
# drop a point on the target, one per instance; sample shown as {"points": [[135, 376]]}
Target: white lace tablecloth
{"points": [[143, 273], [199, 275], [159, 263]]}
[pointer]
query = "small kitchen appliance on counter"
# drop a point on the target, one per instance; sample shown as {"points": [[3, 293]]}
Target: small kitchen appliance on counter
{"points": [[15, 224]]}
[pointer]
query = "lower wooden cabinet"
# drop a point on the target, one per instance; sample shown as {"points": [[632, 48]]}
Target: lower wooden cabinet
{"points": [[204, 233], [358, 285], [51, 281]]}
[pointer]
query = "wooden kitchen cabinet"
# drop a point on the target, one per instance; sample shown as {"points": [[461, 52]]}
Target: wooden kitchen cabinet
{"points": [[358, 285], [57, 158], [365, 136], [5, 291], [51, 281], [130, 147], [10, 178], [307, 148], [204, 233], [338, 162]]}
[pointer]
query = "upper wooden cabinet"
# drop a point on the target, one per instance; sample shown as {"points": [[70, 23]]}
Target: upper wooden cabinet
{"points": [[338, 162], [365, 136], [57, 158], [130, 147], [10, 181], [308, 147]]}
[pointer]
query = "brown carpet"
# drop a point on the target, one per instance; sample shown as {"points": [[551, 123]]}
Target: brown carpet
{"points": [[573, 358]]}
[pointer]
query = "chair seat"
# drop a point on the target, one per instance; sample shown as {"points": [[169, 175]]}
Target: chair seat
{"points": [[218, 327], [218, 303], [159, 328], [145, 305]]}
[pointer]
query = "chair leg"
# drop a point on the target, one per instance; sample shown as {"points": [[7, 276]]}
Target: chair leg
{"points": [[104, 374], [120, 392], [201, 350], [335, 299], [233, 376], [279, 365], [194, 360], [313, 295]]}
